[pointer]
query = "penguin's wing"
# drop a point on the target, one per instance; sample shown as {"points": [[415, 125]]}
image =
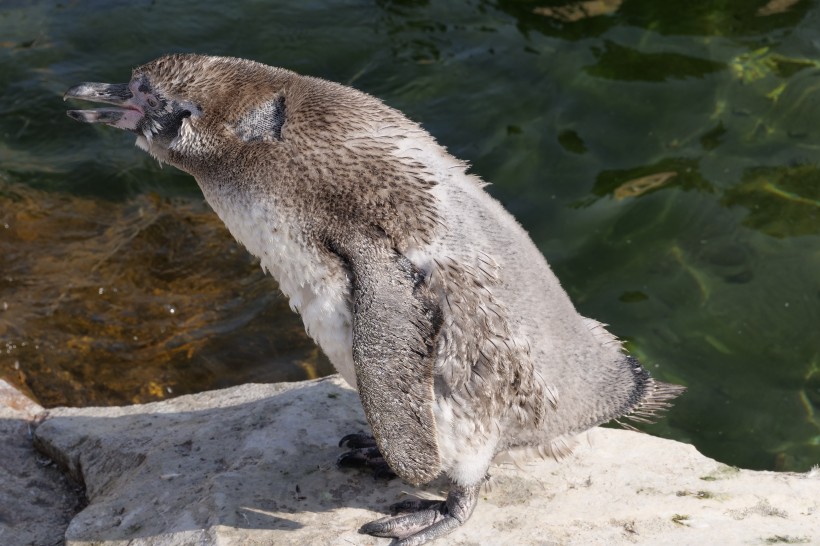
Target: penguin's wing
{"points": [[395, 321]]}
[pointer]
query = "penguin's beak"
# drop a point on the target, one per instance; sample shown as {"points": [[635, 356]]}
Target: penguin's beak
{"points": [[126, 117]]}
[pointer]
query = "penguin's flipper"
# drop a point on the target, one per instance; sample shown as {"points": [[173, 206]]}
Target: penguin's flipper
{"points": [[395, 321]]}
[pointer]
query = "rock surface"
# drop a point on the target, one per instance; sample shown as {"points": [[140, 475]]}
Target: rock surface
{"points": [[36, 499], [255, 465]]}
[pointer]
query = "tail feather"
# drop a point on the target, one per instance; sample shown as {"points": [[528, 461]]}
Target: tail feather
{"points": [[651, 396]]}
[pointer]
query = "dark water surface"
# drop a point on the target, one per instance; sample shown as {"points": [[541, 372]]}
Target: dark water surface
{"points": [[663, 155]]}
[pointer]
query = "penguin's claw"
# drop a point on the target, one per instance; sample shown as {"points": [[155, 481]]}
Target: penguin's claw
{"points": [[357, 440], [421, 521], [365, 457]]}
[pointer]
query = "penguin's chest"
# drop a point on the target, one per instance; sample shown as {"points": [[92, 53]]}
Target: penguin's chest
{"points": [[316, 287]]}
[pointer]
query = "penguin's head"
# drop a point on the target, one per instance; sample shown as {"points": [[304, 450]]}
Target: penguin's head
{"points": [[180, 106]]}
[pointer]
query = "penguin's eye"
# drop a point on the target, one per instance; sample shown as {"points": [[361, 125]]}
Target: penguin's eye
{"points": [[152, 102]]}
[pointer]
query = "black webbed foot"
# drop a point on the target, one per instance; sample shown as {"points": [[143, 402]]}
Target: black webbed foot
{"points": [[421, 521], [364, 454]]}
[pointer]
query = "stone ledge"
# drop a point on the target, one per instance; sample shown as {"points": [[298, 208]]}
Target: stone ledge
{"points": [[255, 465], [36, 500]]}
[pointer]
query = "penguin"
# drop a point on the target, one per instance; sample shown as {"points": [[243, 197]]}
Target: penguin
{"points": [[424, 292]]}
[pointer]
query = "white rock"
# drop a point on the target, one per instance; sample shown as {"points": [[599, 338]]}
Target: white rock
{"points": [[255, 464]]}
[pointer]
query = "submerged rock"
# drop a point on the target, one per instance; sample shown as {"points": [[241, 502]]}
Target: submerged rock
{"points": [[121, 302], [255, 465]]}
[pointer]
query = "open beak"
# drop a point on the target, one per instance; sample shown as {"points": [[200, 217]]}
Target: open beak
{"points": [[126, 117]]}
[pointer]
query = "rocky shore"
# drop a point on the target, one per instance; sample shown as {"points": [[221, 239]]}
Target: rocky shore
{"points": [[254, 465]]}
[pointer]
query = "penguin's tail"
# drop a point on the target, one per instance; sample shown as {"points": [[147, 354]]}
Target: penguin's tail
{"points": [[650, 396]]}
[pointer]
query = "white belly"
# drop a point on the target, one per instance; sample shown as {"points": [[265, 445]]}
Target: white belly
{"points": [[316, 289]]}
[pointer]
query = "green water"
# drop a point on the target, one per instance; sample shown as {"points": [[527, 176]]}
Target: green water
{"points": [[663, 155]]}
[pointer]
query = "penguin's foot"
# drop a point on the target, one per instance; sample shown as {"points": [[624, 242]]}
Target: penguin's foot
{"points": [[359, 439], [421, 521], [364, 454]]}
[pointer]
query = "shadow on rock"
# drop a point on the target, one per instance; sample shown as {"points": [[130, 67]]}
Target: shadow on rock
{"points": [[250, 461]]}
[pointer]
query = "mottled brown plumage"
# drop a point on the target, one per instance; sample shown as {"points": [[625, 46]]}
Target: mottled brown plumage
{"points": [[425, 294]]}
